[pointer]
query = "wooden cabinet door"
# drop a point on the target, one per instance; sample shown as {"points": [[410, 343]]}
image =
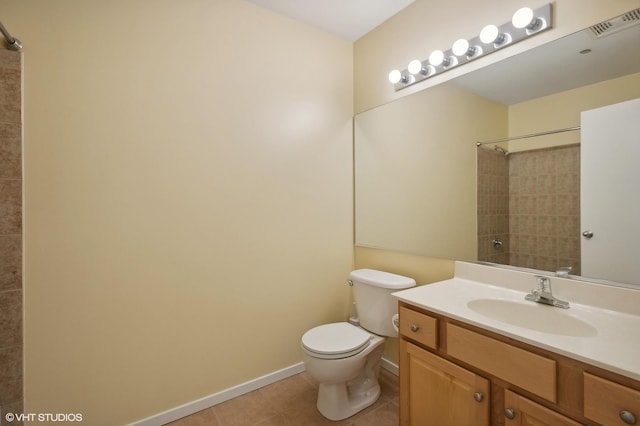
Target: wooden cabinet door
{"points": [[436, 392], [520, 411]]}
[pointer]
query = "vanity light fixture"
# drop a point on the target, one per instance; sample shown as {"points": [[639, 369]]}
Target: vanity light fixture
{"points": [[522, 18], [462, 48], [438, 57], [525, 22], [417, 67], [525, 18], [397, 77], [491, 34]]}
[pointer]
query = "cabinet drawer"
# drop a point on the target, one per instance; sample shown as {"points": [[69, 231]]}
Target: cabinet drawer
{"points": [[607, 402], [524, 369], [419, 327]]}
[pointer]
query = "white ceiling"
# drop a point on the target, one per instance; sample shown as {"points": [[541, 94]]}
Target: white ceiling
{"points": [[348, 19]]}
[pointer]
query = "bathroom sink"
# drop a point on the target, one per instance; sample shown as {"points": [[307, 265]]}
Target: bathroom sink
{"points": [[599, 328], [533, 316]]}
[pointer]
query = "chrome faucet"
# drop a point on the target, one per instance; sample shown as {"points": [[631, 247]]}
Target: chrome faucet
{"points": [[543, 294]]}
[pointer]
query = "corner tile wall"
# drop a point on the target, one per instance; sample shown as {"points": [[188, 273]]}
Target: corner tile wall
{"points": [[493, 206], [530, 201], [11, 388]]}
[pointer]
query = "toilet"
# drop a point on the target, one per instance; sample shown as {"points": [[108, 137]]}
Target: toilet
{"points": [[345, 358]]}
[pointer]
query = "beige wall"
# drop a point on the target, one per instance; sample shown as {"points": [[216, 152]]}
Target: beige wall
{"points": [[188, 198]]}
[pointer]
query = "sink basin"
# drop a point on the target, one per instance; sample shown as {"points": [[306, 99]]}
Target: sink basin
{"points": [[533, 316]]}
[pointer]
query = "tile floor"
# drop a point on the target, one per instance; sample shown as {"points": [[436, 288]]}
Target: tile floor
{"points": [[292, 402]]}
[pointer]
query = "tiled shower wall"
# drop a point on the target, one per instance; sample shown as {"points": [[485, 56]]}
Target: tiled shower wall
{"points": [[10, 235], [543, 210], [493, 207]]}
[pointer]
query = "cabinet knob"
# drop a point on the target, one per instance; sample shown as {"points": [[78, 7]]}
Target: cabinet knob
{"points": [[478, 396], [628, 417], [509, 413], [414, 328]]}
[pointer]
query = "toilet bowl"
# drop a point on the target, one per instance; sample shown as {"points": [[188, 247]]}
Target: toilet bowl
{"points": [[345, 361], [344, 358]]}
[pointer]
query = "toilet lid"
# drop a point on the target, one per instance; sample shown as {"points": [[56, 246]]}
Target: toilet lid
{"points": [[340, 338]]}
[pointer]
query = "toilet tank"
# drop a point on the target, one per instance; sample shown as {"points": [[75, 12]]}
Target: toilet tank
{"points": [[372, 293]]}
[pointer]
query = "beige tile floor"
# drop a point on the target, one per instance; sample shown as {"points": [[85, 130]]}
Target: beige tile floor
{"points": [[292, 402]]}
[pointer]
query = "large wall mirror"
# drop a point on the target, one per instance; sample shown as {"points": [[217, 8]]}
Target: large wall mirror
{"points": [[423, 187]]}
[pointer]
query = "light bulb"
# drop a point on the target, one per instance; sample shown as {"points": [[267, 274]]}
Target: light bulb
{"points": [[460, 47], [395, 76], [489, 34], [415, 66], [436, 57], [522, 18]]}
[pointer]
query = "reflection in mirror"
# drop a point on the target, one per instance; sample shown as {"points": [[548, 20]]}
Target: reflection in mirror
{"points": [[529, 209], [529, 205], [409, 195]]}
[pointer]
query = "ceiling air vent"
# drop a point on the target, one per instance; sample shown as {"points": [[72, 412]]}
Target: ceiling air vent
{"points": [[616, 24]]}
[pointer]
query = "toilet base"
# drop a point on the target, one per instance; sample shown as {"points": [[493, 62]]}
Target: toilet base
{"points": [[337, 401], [331, 400]]}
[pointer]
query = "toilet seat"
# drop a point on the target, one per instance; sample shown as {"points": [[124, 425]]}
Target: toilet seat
{"points": [[335, 340]]}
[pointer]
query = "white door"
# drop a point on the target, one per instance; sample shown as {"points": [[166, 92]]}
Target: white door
{"points": [[610, 192]]}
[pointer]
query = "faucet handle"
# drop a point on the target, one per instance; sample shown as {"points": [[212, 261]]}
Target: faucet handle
{"points": [[544, 284], [542, 280], [564, 271]]}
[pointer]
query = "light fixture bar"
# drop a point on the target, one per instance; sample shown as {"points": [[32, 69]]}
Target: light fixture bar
{"points": [[479, 46]]}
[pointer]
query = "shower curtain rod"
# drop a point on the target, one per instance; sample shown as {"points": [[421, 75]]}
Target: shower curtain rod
{"points": [[10, 42], [532, 135]]}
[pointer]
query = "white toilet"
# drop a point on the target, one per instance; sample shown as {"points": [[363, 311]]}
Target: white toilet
{"points": [[344, 358]]}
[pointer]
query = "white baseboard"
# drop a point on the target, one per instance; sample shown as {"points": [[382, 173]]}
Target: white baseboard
{"points": [[217, 398], [227, 394], [390, 366]]}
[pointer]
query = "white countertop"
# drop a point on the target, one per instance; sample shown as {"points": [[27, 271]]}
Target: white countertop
{"points": [[601, 327]]}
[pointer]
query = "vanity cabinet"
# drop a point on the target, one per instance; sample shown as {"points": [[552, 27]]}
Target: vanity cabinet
{"points": [[453, 373]]}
